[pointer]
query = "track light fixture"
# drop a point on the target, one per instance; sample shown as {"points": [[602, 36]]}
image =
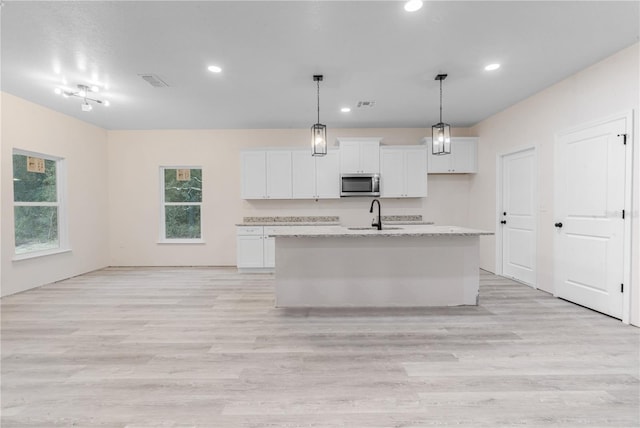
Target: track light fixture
{"points": [[83, 92]]}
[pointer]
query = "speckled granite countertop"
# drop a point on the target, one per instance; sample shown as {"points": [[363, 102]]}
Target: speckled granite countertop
{"points": [[405, 230], [324, 220], [290, 221]]}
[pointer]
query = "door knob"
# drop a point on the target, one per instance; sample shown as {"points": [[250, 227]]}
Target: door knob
{"points": [[558, 224], [503, 222]]}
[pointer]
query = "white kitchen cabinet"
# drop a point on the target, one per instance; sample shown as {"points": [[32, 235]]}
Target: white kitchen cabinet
{"points": [[255, 250], [266, 174], [359, 155], [403, 171], [250, 247], [315, 177], [269, 246], [463, 158]]}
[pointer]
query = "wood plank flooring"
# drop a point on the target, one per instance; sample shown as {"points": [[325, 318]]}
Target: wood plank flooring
{"points": [[204, 347]]}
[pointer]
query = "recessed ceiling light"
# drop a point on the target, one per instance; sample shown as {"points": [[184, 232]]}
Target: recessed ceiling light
{"points": [[492, 67], [345, 109], [214, 69], [413, 5]]}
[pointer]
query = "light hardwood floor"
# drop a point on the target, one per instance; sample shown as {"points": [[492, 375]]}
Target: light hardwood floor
{"points": [[204, 347]]}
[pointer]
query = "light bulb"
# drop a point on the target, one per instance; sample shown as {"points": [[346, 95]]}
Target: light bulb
{"points": [[58, 91], [94, 88], [107, 103], [413, 5]]}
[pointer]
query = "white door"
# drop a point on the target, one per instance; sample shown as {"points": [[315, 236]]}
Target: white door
{"points": [[438, 163], [589, 203], [279, 174], [416, 172], [328, 175], [304, 174], [349, 157], [464, 155], [370, 157], [518, 216], [254, 171], [392, 175], [250, 252]]}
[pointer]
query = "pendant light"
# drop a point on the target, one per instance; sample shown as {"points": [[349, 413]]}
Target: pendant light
{"points": [[318, 131], [441, 132]]}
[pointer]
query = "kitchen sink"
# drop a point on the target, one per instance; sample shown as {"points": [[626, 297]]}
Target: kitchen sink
{"points": [[374, 228]]}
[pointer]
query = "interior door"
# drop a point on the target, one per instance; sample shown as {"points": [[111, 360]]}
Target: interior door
{"points": [[589, 204], [518, 216]]}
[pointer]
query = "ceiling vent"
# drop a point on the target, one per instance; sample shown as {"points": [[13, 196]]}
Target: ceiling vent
{"points": [[153, 80], [366, 104]]}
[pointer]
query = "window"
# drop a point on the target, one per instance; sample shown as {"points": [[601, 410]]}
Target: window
{"points": [[37, 204], [181, 204]]}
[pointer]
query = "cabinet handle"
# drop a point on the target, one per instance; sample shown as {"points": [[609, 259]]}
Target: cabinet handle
{"points": [[558, 225]]}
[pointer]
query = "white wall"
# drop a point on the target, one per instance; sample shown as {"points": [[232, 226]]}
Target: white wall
{"points": [[608, 87], [31, 127], [135, 156]]}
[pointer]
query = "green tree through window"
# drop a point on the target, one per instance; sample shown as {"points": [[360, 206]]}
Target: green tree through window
{"points": [[182, 200], [36, 203]]}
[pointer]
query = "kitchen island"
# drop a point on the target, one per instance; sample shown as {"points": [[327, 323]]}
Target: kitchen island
{"points": [[399, 266]]}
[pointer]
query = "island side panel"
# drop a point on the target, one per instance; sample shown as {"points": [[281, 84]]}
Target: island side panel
{"points": [[374, 271]]}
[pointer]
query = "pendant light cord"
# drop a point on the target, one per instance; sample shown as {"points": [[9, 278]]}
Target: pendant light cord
{"points": [[440, 100], [318, 84]]}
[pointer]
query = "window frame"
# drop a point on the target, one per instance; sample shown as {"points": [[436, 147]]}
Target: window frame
{"points": [[163, 204], [60, 204]]}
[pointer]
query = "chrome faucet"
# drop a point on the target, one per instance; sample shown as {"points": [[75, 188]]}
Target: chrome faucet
{"points": [[379, 223]]}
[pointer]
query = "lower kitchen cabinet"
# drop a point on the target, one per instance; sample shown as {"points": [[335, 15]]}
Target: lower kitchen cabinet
{"points": [[255, 249]]}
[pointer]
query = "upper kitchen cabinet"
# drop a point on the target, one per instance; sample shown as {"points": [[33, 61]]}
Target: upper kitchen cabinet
{"points": [[463, 158], [403, 171], [316, 177], [359, 155], [266, 174]]}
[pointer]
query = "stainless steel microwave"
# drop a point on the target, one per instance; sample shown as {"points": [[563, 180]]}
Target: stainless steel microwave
{"points": [[360, 185]]}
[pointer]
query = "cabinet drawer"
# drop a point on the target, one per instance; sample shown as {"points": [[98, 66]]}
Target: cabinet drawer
{"points": [[249, 230], [270, 229]]}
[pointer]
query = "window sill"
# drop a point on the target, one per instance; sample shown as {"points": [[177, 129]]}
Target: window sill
{"points": [[181, 241], [35, 255]]}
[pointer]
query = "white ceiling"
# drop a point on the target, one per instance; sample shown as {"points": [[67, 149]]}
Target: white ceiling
{"points": [[269, 50]]}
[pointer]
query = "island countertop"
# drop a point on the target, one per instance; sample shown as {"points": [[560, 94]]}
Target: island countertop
{"points": [[387, 231]]}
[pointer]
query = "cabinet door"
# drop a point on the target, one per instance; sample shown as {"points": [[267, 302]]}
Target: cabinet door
{"points": [[270, 251], [328, 175], [279, 174], [465, 157], [250, 252], [438, 163], [349, 157], [303, 173], [415, 168], [253, 167], [370, 157], [392, 176]]}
